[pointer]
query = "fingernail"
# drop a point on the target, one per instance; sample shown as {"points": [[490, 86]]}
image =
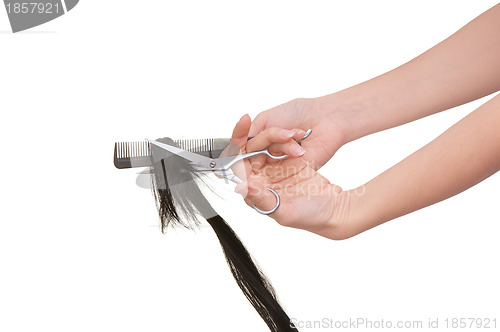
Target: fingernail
{"points": [[298, 150], [286, 133], [300, 131]]}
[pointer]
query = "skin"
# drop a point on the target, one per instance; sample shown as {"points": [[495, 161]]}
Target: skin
{"points": [[460, 69], [292, 178]]}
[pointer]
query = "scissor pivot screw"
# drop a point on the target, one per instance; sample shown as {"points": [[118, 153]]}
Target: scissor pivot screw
{"points": [[212, 164]]}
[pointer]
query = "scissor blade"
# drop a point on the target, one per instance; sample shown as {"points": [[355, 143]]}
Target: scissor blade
{"points": [[194, 158]]}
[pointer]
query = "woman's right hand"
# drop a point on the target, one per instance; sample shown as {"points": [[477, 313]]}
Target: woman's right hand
{"points": [[328, 134], [308, 200]]}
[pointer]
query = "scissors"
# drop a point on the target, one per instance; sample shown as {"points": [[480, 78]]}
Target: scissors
{"points": [[222, 166]]}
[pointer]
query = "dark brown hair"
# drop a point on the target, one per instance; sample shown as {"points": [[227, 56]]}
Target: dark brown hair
{"points": [[180, 201]]}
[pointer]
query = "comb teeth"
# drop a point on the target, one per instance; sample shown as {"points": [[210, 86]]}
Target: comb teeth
{"points": [[138, 154], [132, 149], [196, 145], [132, 154]]}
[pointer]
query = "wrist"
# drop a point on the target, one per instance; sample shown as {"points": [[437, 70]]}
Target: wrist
{"points": [[344, 218], [351, 110], [368, 208]]}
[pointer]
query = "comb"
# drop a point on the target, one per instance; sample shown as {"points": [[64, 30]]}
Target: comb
{"points": [[138, 154]]}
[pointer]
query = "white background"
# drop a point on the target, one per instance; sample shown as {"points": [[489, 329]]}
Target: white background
{"points": [[80, 247]]}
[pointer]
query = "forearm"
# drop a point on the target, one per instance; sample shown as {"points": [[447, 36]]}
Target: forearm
{"points": [[460, 69], [464, 155]]}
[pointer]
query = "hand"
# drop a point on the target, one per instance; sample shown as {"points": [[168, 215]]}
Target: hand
{"points": [[328, 133], [308, 200]]}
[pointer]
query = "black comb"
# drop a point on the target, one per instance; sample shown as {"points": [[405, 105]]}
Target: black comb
{"points": [[138, 154]]}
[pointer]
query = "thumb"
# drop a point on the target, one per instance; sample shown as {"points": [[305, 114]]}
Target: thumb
{"points": [[240, 132]]}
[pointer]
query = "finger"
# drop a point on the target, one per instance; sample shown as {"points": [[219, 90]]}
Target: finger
{"points": [[267, 138], [292, 149], [270, 136], [258, 124], [264, 140], [240, 132], [299, 134], [239, 137]]}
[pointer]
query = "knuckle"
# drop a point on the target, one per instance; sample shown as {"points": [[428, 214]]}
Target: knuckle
{"points": [[274, 131], [268, 133]]}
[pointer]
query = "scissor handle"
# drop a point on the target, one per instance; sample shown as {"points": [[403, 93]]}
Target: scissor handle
{"points": [[227, 162]]}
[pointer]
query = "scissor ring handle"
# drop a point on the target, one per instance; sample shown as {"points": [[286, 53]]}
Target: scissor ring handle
{"points": [[275, 157], [274, 208], [306, 135], [299, 141]]}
